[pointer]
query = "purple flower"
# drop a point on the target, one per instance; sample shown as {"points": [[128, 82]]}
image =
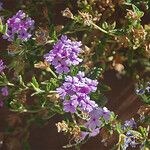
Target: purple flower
{"points": [[64, 55], [130, 123], [1, 103], [92, 133], [70, 106], [4, 91], [95, 115], [2, 66], [19, 26], [129, 140], [94, 123], [106, 114], [75, 91], [94, 120], [140, 91]]}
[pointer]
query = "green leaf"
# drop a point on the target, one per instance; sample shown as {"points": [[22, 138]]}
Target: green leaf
{"points": [[5, 27], [34, 82], [94, 73], [52, 33], [1, 25], [104, 88], [137, 11], [26, 145], [21, 81], [105, 25]]}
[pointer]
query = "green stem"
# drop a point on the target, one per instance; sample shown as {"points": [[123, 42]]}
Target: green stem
{"points": [[96, 26], [52, 72], [10, 84], [27, 111], [73, 118], [51, 92]]}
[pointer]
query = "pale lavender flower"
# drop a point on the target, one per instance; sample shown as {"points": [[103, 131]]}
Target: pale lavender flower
{"points": [[70, 106], [2, 66], [94, 120], [95, 116], [94, 123], [92, 133], [106, 114], [129, 140], [19, 26], [130, 123], [4, 91], [64, 55]]}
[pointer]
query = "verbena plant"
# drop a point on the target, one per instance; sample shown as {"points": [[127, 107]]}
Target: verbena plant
{"points": [[65, 80]]}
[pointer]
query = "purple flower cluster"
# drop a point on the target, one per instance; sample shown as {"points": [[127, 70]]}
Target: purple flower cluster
{"points": [[75, 93], [129, 123], [64, 54], [129, 140], [4, 91], [94, 123], [2, 66], [20, 26]]}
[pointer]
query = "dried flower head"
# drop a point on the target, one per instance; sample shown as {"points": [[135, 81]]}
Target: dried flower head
{"points": [[42, 65], [118, 67], [123, 41], [13, 48], [41, 36], [62, 126], [87, 18], [139, 33], [54, 98], [76, 133], [67, 13], [147, 48]]}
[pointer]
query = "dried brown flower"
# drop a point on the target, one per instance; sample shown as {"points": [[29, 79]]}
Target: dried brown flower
{"points": [[139, 33], [54, 98], [144, 110], [12, 48], [147, 48], [118, 67], [62, 126], [76, 132], [42, 36], [87, 18], [67, 13], [123, 41], [42, 65]]}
